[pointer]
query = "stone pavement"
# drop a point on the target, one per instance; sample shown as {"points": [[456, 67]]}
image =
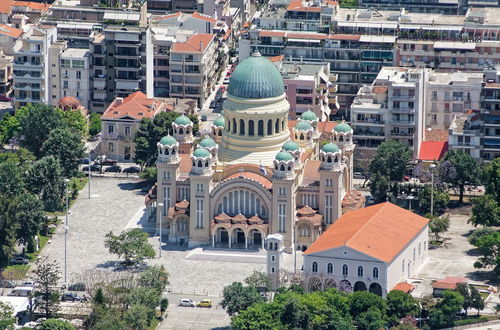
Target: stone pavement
{"points": [[112, 205]]}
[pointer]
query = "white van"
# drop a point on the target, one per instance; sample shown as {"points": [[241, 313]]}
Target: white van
{"points": [[21, 291]]}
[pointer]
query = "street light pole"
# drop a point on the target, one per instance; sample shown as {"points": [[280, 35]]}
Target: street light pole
{"points": [[432, 188], [66, 228], [159, 238], [90, 174]]}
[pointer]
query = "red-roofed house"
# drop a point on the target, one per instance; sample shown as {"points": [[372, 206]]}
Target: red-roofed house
{"points": [[5, 11], [373, 249], [431, 151], [193, 67], [121, 120]]}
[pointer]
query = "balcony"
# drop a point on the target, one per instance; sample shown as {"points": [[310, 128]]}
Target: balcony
{"points": [[403, 122], [401, 134], [366, 132], [405, 98], [369, 121], [405, 110], [35, 64]]}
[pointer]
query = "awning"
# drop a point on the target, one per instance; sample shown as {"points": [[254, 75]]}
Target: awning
{"points": [[304, 40]]}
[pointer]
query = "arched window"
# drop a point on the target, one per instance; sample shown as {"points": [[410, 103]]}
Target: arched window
{"points": [[282, 124], [305, 231], [261, 127], [360, 271], [242, 127], [219, 133], [336, 159], [269, 127], [181, 131], [328, 159], [375, 272], [194, 163], [301, 136], [251, 127], [200, 164], [341, 138], [282, 168], [315, 267], [276, 167], [187, 130], [234, 126], [329, 268], [277, 126], [173, 151], [206, 163], [345, 270], [228, 125]]}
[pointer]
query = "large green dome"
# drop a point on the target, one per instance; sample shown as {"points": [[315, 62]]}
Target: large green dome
{"points": [[303, 126], [343, 127], [290, 146], [183, 120], [207, 143], [256, 77], [283, 156], [309, 116], [168, 141], [219, 122], [201, 153], [330, 147]]}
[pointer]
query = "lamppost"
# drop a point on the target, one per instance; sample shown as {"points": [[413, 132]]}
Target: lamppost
{"points": [[432, 188], [90, 173], [159, 238], [66, 228]]}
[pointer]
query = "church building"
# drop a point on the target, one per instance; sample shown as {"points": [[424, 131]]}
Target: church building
{"points": [[258, 173]]}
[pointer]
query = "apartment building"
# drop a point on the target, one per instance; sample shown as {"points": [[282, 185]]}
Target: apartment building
{"points": [[193, 67], [449, 94], [75, 75], [5, 72], [450, 7], [307, 88], [464, 134], [391, 108], [32, 63], [490, 114]]}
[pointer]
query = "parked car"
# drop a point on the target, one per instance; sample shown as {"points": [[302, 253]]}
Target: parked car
{"points": [[186, 303], [370, 200], [84, 161], [4, 98], [70, 296], [213, 104], [7, 284], [204, 118], [77, 287], [93, 168], [406, 178], [114, 168], [109, 162], [19, 261], [29, 283], [205, 303], [358, 175], [226, 81], [132, 169]]}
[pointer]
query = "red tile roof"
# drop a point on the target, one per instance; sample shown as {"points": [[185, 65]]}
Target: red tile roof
{"points": [[272, 34], [10, 31], [185, 163], [276, 58], [379, 89], [430, 150], [177, 14], [252, 176], [448, 283], [381, 231], [5, 6], [197, 43], [136, 106], [403, 286], [204, 17], [311, 173], [296, 5], [35, 6], [436, 135], [344, 37]]}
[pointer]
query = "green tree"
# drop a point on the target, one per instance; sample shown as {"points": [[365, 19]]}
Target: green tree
{"points": [[438, 225], [238, 297], [138, 317], [22, 157], [9, 127], [259, 280], [36, 122], [46, 275], [163, 305], [56, 324], [45, 179], [465, 170], [477, 301], [155, 277], [11, 179], [390, 162], [67, 146], [463, 289], [489, 246], [295, 315], [490, 178], [74, 121], [148, 297], [132, 246], [94, 124], [260, 316], [478, 233], [362, 301], [99, 298], [372, 319], [428, 303], [30, 217], [485, 211], [7, 321], [445, 311], [8, 228], [400, 304], [440, 198]]}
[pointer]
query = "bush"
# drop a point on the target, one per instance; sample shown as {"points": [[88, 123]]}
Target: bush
{"points": [[478, 233], [480, 319], [163, 304], [149, 174]]}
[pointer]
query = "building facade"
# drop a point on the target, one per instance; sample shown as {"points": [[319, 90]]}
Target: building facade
{"points": [[75, 75], [258, 174]]}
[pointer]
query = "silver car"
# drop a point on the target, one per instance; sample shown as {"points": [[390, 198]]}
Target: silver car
{"points": [[186, 303]]}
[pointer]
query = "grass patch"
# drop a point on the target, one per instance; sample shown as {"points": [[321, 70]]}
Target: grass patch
{"points": [[484, 295], [42, 240], [15, 272], [74, 182]]}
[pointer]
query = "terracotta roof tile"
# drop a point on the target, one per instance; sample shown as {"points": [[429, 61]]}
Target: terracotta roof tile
{"points": [[296, 5], [36, 6], [403, 286], [223, 217], [197, 43], [310, 173], [136, 106], [436, 135], [317, 36], [353, 37], [326, 126], [306, 211], [252, 176], [185, 163], [449, 283], [10, 31], [239, 218], [431, 150], [5, 6], [276, 58], [379, 89], [315, 220], [272, 34], [184, 204], [69, 101], [204, 17], [381, 231], [255, 220], [177, 14]]}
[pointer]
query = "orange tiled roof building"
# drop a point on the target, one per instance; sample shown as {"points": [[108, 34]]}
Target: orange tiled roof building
{"points": [[257, 173]]}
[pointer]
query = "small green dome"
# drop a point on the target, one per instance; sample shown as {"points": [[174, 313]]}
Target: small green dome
{"points": [[207, 143], [183, 120], [290, 146], [256, 77], [283, 156], [330, 147], [168, 140], [309, 116], [201, 153], [219, 122], [303, 126], [343, 127]]}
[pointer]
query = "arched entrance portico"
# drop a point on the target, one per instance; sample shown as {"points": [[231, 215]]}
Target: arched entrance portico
{"points": [[329, 283], [221, 238], [238, 239], [314, 284], [345, 286], [376, 288], [359, 286], [255, 239]]}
